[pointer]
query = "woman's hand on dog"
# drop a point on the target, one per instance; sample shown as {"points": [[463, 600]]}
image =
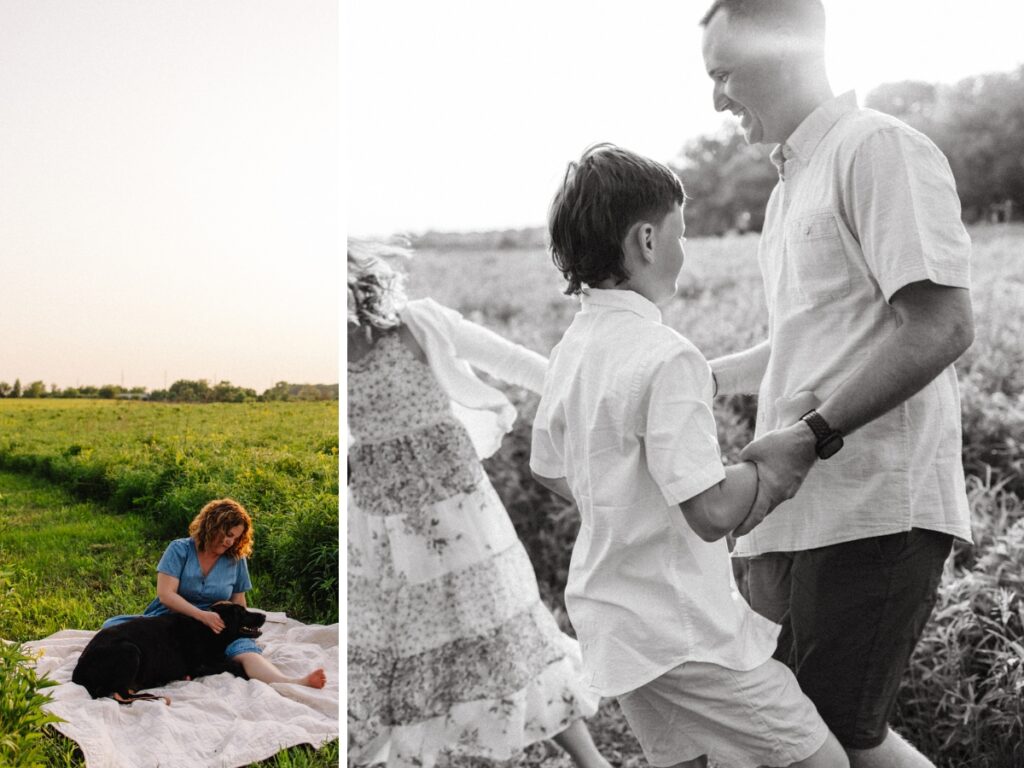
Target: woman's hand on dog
{"points": [[212, 620]]}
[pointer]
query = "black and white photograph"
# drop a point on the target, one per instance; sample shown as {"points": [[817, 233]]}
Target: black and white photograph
{"points": [[684, 378]]}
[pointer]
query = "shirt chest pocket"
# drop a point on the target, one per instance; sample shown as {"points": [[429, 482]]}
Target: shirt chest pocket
{"points": [[816, 261]]}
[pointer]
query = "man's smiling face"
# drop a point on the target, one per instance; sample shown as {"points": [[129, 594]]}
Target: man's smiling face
{"points": [[744, 63]]}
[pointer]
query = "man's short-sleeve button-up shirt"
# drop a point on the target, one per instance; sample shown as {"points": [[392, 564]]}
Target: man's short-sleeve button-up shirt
{"points": [[864, 206]]}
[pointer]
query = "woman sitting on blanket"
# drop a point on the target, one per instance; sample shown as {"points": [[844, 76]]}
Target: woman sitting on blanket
{"points": [[207, 566]]}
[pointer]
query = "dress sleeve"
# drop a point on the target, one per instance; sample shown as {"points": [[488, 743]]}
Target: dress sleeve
{"points": [[172, 562], [906, 213], [678, 428], [242, 581], [493, 354]]}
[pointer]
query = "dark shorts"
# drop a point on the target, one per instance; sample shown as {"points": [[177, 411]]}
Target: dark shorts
{"points": [[851, 615]]}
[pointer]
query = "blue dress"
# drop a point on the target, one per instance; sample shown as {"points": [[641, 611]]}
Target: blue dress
{"points": [[227, 577]]}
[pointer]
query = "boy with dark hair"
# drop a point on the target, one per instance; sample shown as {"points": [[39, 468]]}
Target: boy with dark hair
{"points": [[625, 429]]}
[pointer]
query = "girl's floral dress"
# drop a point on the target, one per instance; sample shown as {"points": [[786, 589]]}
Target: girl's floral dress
{"points": [[449, 648]]}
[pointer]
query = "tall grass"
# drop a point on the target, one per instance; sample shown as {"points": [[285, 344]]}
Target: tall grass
{"points": [[22, 719], [960, 700], [165, 461]]}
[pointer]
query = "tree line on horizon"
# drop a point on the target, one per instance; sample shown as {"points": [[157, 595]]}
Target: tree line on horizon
{"points": [[181, 391], [978, 123]]}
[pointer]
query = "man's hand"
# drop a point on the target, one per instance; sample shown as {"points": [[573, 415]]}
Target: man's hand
{"points": [[788, 410], [783, 458]]}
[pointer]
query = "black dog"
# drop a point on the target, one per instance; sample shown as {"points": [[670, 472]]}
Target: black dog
{"points": [[148, 652]]}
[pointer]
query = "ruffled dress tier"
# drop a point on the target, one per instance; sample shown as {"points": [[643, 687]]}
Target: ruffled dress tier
{"points": [[450, 647]]}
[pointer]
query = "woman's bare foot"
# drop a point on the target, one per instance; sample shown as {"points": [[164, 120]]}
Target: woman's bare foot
{"points": [[259, 668], [315, 679]]}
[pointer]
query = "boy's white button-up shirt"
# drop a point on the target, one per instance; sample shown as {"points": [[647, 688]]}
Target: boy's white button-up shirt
{"points": [[626, 419], [865, 206]]}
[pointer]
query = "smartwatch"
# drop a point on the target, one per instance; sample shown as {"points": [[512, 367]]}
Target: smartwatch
{"points": [[827, 441]]}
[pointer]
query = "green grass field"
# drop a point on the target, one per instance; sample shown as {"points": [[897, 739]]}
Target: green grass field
{"points": [[164, 461], [92, 491], [961, 701]]}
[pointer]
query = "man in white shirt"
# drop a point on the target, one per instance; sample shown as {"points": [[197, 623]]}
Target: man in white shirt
{"points": [[866, 271]]}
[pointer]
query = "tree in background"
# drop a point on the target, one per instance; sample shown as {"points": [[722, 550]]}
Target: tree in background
{"points": [[186, 391], [16, 391], [283, 390], [226, 392], [278, 392], [727, 182], [35, 389], [309, 392], [977, 123], [5, 389]]}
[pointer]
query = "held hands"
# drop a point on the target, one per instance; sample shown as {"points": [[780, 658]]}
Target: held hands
{"points": [[782, 457], [212, 620]]}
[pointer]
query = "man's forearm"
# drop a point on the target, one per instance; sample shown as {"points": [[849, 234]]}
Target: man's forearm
{"points": [[741, 373], [900, 367], [935, 327]]}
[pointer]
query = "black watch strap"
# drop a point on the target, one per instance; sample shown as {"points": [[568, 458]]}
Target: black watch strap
{"points": [[827, 441]]}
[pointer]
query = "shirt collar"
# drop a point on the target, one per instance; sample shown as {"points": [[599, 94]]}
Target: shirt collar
{"points": [[596, 299], [805, 139]]}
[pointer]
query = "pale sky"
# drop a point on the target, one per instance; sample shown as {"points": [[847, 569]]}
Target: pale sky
{"points": [[169, 191], [462, 114]]}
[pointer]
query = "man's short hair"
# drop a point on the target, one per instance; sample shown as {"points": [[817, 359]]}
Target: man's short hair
{"points": [[604, 193], [806, 17]]}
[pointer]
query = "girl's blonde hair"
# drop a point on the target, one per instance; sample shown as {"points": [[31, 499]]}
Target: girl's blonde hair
{"points": [[220, 516], [376, 291]]}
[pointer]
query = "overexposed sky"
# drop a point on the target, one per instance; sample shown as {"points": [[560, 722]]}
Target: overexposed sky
{"points": [[462, 114], [169, 191]]}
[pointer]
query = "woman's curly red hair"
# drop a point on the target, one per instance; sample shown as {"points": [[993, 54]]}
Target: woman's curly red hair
{"points": [[218, 517]]}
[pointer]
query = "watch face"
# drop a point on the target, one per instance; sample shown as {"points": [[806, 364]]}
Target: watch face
{"points": [[830, 447]]}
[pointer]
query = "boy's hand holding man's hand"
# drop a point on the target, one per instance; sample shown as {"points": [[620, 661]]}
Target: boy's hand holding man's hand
{"points": [[783, 458]]}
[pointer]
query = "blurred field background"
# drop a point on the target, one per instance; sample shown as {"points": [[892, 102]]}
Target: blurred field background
{"points": [[962, 700]]}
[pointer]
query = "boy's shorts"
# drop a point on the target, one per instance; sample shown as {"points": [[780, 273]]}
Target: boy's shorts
{"points": [[741, 719]]}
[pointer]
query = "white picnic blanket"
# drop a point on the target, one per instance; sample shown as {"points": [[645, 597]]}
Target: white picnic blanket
{"points": [[221, 721]]}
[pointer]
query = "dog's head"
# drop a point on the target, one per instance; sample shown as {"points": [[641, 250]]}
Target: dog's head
{"points": [[239, 622]]}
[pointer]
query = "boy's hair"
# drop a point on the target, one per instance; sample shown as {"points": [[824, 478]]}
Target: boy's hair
{"points": [[605, 192], [805, 17]]}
